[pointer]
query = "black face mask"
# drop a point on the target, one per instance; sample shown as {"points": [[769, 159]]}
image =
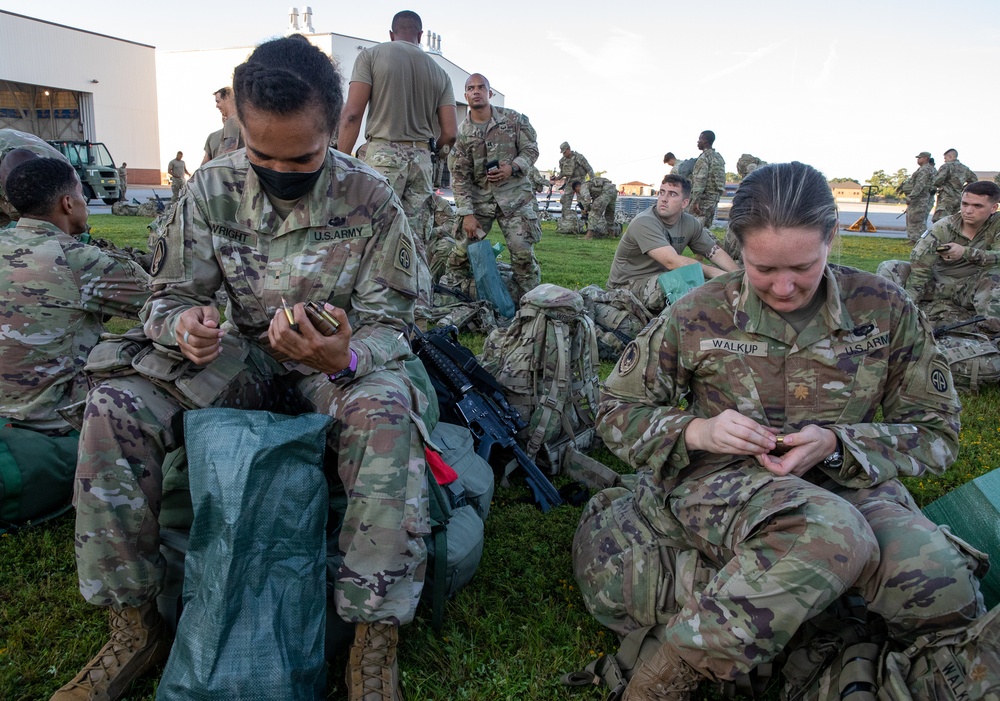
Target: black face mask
{"points": [[286, 186]]}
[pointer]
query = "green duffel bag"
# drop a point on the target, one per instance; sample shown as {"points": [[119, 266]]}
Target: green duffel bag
{"points": [[36, 476]]}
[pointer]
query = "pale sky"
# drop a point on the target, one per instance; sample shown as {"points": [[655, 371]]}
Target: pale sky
{"points": [[849, 86]]}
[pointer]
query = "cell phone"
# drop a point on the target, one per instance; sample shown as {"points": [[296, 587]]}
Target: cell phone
{"points": [[942, 248], [492, 165]]}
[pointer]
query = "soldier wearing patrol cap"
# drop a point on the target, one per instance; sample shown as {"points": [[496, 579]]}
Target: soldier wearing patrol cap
{"points": [[573, 167], [837, 363], [919, 191]]}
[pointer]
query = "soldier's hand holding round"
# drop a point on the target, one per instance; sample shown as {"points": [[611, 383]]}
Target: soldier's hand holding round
{"points": [[328, 354], [198, 334], [954, 252], [807, 448], [730, 433]]}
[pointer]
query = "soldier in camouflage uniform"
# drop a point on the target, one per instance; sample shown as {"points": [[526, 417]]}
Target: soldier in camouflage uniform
{"points": [[57, 292], [337, 235], [951, 179], [503, 194], [10, 140], [573, 167], [919, 191], [962, 279], [809, 352], [708, 180], [601, 217]]}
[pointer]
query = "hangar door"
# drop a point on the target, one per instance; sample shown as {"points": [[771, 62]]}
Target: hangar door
{"points": [[50, 113]]}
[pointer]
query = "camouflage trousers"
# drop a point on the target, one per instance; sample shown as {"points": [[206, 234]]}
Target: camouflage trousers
{"points": [[916, 220], [946, 296], [946, 206], [782, 548], [407, 166], [566, 199], [601, 220], [130, 424], [175, 188], [521, 231], [732, 246], [708, 207], [648, 291]]}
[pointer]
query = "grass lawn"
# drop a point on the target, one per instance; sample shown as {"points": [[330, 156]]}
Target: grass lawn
{"points": [[508, 636]]}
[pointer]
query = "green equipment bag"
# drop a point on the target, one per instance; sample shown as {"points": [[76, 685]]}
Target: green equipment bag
{"points": [[972, 512], [547, 362], [36, 476], [489, 284], [678, 282], [254, 616]]}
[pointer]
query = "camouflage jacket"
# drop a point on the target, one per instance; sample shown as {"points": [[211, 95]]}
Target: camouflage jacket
{"points": [[346, 242], [575, 167], [601, 186], [508, 138], [57, 292], [951, 179], [721, 347], [983, 251], [708, 180], [919, 188]]}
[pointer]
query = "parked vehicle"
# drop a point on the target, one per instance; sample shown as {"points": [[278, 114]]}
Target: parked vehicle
{"points": [[93, 163]]}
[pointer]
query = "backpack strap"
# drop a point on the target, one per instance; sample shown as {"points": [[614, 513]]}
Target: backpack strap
{"points": [[440, 514], [553, 400]]}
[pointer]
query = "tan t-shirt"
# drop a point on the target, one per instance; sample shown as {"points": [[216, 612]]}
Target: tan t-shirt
{"points": [[646, 232], [408, 87]]}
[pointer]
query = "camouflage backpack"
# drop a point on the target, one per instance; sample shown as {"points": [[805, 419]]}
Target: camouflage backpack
{"points": [[974, 359], [618, 315], [547, 361]]}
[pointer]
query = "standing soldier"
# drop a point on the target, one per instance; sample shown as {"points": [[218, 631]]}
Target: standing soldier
{"points": [[952, 177], [122, 181], [601, 217], [919, 191], [504, 140], [708, 180], [573, 167], [177, 170], [410, 103]]}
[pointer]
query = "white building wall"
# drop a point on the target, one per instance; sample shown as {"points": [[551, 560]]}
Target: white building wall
{"points": [[119, 75], [186, 81]]}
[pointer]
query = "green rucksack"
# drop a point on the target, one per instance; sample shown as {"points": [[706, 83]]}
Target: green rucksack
{"points": [[36, 476], [973, 358], [547, 361]]}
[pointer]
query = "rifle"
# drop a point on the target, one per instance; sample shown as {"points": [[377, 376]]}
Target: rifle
{"points": [[491, 419], [942, 330], [159, 203]]}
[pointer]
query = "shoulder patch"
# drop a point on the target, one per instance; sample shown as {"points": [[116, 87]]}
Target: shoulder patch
{"points": [[159, 256], [404, 255], [629, 360]]}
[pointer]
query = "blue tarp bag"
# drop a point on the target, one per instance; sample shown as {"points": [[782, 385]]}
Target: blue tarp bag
{"points": [[254, 616]]}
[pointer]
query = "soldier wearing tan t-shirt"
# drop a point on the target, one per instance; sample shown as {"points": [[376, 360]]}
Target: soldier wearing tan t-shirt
{"points": [[655, 240], [399, 130]]}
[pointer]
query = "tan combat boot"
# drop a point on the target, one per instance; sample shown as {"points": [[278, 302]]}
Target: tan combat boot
{"points": [[139, 642], [663, 677], [372, 673]]}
